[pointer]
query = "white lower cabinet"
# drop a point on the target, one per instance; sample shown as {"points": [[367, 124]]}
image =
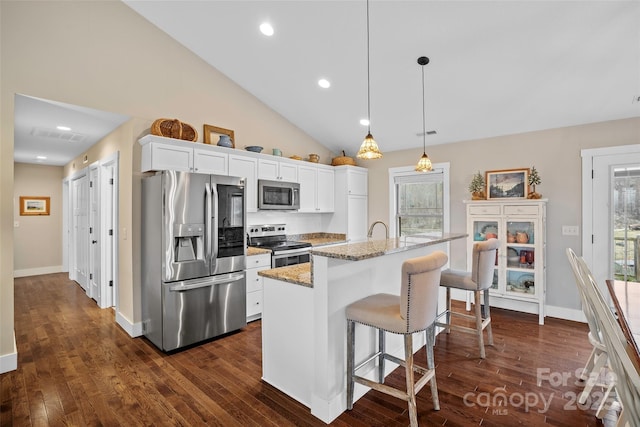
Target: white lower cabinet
{"points": [[255, 263]]}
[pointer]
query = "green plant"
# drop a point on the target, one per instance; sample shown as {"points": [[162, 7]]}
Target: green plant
{"points": [[477, 184], [534, 177]]}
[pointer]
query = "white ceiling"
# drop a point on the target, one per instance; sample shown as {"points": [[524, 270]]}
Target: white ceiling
{"points": [[36, 133], [497, 67]]}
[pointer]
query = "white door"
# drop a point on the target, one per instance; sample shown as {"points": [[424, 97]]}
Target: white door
{"points": [[80, 230], [94, 234], [611, 212], [108, 190]]}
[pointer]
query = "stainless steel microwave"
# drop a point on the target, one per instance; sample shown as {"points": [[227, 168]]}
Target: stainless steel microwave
{"points": [[278, 195]]}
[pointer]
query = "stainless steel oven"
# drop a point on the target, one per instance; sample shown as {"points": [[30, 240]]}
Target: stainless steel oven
{"points": [[289, 257], [283, 251]]}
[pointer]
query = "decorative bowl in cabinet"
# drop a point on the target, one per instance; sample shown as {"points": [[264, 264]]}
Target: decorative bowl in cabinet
{"points": [[254, 148]]}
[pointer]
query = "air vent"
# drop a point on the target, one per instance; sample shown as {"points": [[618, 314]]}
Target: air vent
{"points": [[58, 134]]}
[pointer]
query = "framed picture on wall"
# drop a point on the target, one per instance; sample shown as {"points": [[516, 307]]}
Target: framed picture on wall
{"points": [[34, 205], [507, 184]]}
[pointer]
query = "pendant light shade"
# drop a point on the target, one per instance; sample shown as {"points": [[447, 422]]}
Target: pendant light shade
{"points": [[424, 164], [369, 148]]}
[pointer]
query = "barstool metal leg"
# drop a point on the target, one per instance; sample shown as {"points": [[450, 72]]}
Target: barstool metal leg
{"points": [[448, 315], [350, 362], [432, 365], [411, 392], [381, 347]]}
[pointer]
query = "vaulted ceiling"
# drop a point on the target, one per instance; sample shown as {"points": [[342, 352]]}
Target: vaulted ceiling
{"points": [[496, 67]]}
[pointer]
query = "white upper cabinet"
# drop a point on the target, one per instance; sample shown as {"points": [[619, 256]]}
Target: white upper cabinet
{"points": [[357, 182], [277, 171], [316, 189], [246, 167], [161, 156], [212, 162], [325, 188], [316, 180]]}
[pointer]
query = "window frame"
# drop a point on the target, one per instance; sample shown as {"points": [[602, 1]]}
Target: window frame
{"points": [[409, 171]]}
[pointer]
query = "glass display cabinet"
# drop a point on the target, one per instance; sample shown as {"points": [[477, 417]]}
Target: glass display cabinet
{"points": [[519, 274]]}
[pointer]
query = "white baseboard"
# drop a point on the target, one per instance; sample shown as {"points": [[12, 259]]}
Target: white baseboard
{"points": [[133, 329], [9, 362], [550, 310], [38, 271], [565, 313]]}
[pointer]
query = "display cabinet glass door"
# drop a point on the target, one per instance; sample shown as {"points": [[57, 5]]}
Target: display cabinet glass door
{"points": [[521, 257]]}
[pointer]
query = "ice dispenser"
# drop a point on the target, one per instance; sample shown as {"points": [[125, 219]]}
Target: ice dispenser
{"points": [[189, 241]]}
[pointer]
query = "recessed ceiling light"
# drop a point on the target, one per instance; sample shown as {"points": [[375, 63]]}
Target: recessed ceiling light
{"points": [[41, 157], [364, 122], [63, 128], [266, 29], [324, 83]]}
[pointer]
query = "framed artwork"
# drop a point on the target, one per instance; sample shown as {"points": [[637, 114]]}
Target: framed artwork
{"points": [[507, 184], [34, 205], [210, 132]]}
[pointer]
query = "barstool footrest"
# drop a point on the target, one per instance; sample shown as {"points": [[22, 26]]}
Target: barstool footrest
{"points": [[427, 375]]}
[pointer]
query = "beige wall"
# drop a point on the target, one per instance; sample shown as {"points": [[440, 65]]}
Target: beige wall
{"points": [[556, 155], [103, 55], [37, 241]]}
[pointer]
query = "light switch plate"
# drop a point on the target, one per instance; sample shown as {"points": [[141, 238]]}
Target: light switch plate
{"points": [[570, 230]]}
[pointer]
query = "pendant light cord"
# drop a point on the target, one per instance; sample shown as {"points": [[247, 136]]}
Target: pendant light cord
{"points": [[424, 115], [368, 77]]}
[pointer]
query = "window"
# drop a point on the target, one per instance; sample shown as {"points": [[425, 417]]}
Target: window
{"points": [[419, 202]]}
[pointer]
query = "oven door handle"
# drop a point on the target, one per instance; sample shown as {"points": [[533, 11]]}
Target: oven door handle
{"points": [[290, 252]]}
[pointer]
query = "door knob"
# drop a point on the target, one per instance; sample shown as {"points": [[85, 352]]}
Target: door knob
{"points": [[94, 241]]}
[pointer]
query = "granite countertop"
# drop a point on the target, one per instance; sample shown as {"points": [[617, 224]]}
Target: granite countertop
{"points": [[251, 250], [299, 274], [319, 239], [358, 251]]}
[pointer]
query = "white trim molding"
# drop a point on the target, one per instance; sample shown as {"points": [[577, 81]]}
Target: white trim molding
{"points": [[9, 361], [38, 271], [133, 329]]}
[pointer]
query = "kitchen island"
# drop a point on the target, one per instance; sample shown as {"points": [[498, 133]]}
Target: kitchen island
{"points": [[304, 323]]}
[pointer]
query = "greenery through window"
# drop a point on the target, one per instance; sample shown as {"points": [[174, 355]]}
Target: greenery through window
{"points": [[420, 203]]}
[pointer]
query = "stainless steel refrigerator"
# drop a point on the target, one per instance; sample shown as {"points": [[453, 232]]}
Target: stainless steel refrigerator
{"points": [[193, 257]]}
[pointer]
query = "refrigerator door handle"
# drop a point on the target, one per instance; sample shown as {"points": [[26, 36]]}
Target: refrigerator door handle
{"points": [[214, 255], [227, 278], [207, 222]]}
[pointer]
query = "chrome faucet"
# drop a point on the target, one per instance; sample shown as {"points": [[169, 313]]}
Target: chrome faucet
{"points": [[386, 229]]}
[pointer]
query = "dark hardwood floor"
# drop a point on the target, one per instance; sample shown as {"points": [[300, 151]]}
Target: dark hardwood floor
{"points": [[76, 367]]}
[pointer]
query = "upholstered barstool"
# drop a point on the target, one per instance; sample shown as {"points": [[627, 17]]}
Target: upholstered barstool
{"points": [[414, 310], [478, 280]]}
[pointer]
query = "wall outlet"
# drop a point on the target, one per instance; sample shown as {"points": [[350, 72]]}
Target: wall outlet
{"points": [[570, 230], [16, 224]]}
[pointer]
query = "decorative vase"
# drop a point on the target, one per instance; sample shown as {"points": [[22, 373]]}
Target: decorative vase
{"points": [[522, 237], [478, 195], [225, 141], [533, 195]]}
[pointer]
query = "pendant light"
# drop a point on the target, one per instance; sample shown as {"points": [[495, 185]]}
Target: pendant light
{"points": [[369, 148], [424, 164]]}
